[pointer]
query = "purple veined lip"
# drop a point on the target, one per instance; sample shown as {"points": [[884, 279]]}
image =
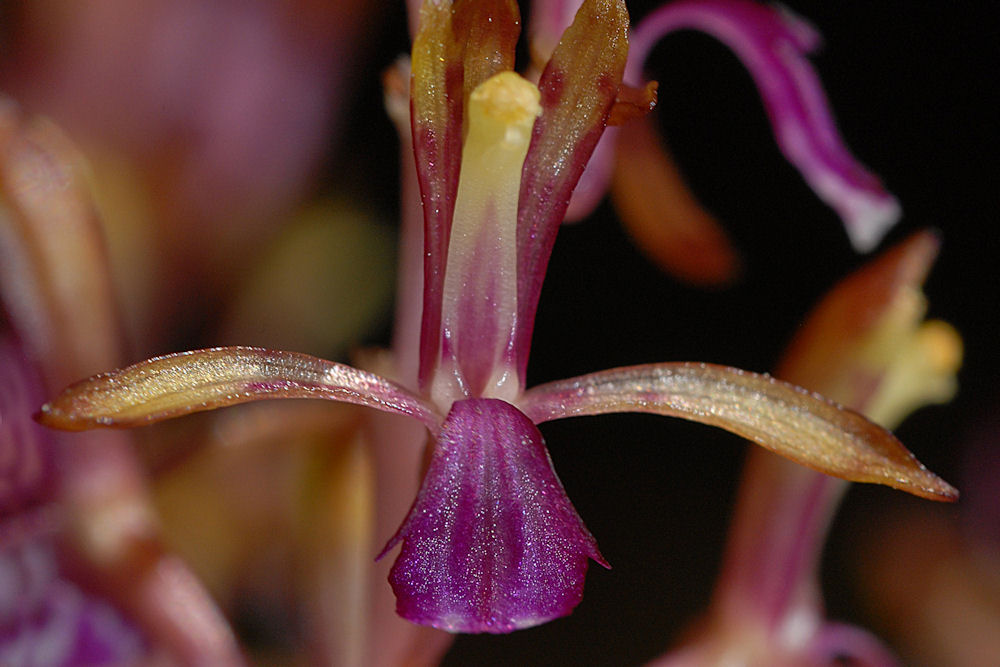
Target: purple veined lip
{"points": [[492, 542]]}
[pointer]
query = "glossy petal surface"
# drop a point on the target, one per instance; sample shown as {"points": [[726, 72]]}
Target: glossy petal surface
{"points": [[178, 384], [788, 420], [489, 30], [492, 543], [458, 47], [479, 305]]}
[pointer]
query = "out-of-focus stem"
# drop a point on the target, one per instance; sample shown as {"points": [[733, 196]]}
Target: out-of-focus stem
{"points": [[783, 512], [864, 346], [397, 445]]}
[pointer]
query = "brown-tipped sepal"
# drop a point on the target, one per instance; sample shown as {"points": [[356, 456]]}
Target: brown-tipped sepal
{"points": [[788, 420], [178, 384]]}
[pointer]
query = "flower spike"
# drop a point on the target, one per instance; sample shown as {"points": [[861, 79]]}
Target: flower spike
{"points": [[178, 384], [491, 542], [772, 44], [799, 425]]}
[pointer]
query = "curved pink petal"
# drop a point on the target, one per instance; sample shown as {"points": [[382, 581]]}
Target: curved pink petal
{"points": [[788, 420], [772, 44], [492, 543], [177, 384]]}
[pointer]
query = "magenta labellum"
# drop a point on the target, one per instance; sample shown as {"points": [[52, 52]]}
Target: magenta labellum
{"points": [[492, 543]]}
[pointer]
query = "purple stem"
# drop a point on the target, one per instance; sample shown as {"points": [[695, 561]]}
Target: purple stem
{"points": [[782, 516]]}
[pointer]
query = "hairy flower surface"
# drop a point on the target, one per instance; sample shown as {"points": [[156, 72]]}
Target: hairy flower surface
{"points": [[492, 543]]}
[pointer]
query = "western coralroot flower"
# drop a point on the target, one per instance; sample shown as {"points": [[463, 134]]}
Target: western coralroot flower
{"points": [[492, 543]]}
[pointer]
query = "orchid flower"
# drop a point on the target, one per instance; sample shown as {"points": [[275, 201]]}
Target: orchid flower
{"points": [[492, 543]]}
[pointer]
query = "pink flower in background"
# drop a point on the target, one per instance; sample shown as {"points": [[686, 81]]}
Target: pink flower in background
{"points": [[650, 195], [85, 577]]}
